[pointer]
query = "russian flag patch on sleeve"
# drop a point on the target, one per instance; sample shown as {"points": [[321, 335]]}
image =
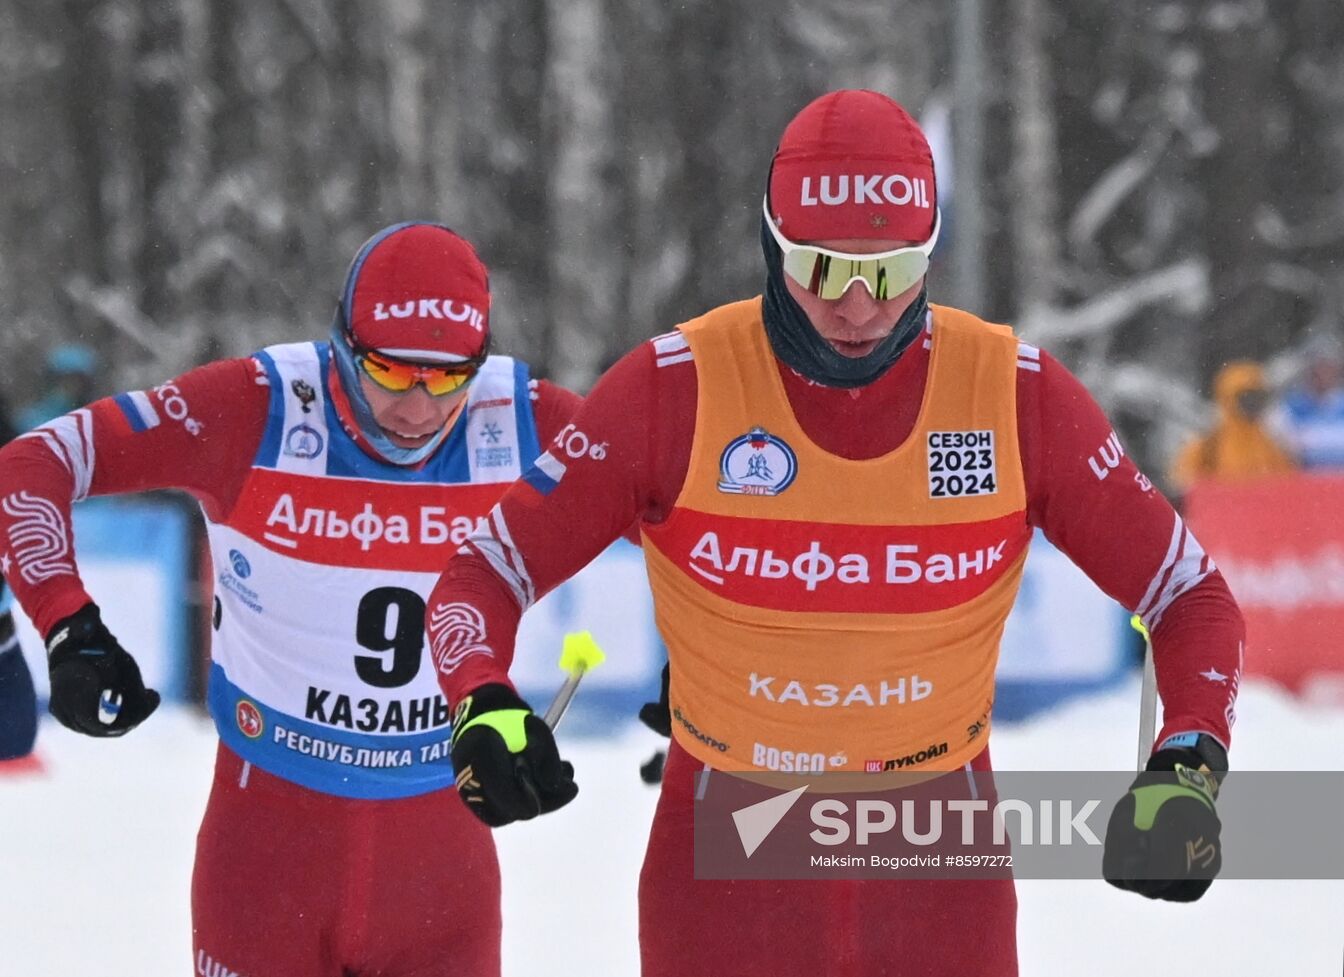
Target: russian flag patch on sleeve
{"points": [[545, 473], [138, 410]]}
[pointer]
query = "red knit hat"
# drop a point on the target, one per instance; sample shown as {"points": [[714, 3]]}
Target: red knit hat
{"points": [[418, 292], [853, 164]]}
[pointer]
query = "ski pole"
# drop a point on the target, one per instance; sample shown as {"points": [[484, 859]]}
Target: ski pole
{"points": [[1148, 697], [579, 655]]}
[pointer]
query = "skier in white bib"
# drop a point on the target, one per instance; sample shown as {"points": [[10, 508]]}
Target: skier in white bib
{"points": [[336, 478]]}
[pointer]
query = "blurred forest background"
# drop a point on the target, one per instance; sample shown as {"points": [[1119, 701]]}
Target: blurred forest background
{"points": [[1146, 188]]}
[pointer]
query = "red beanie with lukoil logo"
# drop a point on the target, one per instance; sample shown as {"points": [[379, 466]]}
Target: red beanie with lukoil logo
{"points": [[418, 292], [853, 164]]}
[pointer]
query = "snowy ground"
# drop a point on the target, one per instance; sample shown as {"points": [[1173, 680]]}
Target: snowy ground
{"points": [[71, 903]]}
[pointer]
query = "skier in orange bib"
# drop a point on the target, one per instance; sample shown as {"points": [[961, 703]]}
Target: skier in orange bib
{"points": [[836, 484]]}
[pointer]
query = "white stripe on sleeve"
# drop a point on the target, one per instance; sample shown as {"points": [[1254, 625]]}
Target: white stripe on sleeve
{"points": [[669, 343], [671, 348], [494, 543], [1184, 566], [70, 438]]}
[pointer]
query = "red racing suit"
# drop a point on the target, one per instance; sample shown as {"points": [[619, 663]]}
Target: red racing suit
{"points": [[332, 843], [1081, 490]]}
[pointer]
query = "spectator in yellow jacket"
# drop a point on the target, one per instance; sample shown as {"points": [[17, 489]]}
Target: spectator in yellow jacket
{"points": [[1239, 446]]}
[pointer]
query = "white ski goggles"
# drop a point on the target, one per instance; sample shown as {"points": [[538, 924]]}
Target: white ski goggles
{"points": [[828, 274]]}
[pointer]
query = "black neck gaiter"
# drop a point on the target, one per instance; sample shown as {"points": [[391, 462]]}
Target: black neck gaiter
{"points": [[796, 341]]}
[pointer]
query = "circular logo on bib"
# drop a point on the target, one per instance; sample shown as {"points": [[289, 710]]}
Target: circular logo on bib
{"points": [[303, 442], [757, 463], [241, 568], [249, 719]]}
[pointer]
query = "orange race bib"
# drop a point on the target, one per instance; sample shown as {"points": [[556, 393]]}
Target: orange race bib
{"points": [[823, 613]]}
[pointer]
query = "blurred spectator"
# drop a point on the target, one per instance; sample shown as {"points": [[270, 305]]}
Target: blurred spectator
{"points": [[70, 374], [7, 430], [1311, 417], [18, 700], [1240, 446]]}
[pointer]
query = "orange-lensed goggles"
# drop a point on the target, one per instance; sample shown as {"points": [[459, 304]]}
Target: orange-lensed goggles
{"points": [[399, 376]]}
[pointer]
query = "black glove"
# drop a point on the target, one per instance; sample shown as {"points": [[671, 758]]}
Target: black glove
{"points": [[651, 770], [96, 687], [658, 715], [508, 766], [1163, 837]]}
